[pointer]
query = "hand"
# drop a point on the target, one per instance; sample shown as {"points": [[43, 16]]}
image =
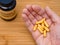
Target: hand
{"points": [[33, 13]]}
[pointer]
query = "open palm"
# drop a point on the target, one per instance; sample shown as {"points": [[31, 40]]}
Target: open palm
{"points": [[33, 13]]}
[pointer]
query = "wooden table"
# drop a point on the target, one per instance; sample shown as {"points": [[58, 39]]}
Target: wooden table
{"points": [[15, 32]]}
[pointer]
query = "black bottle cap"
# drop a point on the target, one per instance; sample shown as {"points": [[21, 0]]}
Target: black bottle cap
{"points": [[7, 5]]}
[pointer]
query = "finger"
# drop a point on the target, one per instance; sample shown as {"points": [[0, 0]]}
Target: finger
{"points": [[28, 22], [45, 16], [51, 14], [25, 11], [29, 7], [38, 9]]}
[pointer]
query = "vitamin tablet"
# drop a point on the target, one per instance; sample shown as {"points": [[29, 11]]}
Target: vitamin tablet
{"points": [[41, 21], [46, 28], [42, 24], [35, 27], [42, 27], [46, 24], [44, 33]]}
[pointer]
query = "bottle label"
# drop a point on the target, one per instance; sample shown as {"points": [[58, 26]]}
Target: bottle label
{"points": [[7, 14]]}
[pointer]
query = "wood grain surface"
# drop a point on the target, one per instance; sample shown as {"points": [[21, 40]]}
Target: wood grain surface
{"points": [[15, 32]]}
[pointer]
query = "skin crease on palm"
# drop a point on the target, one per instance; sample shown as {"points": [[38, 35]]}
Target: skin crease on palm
{"points": [[33, 13]]}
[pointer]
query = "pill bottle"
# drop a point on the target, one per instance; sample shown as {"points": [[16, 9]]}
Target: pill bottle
{"points": [[8, 9]]}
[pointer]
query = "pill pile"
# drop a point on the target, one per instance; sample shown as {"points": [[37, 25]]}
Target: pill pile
{"points": [[42, 26]]}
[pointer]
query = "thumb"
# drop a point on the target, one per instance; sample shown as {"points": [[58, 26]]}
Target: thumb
{"points": [[54, 17]]}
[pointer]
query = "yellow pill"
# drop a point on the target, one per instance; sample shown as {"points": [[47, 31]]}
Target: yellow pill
{"points": [[40, 26], [41, 21], [46, 28], [46, 24], [35, 27], [40, 29], [44, 33]]}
